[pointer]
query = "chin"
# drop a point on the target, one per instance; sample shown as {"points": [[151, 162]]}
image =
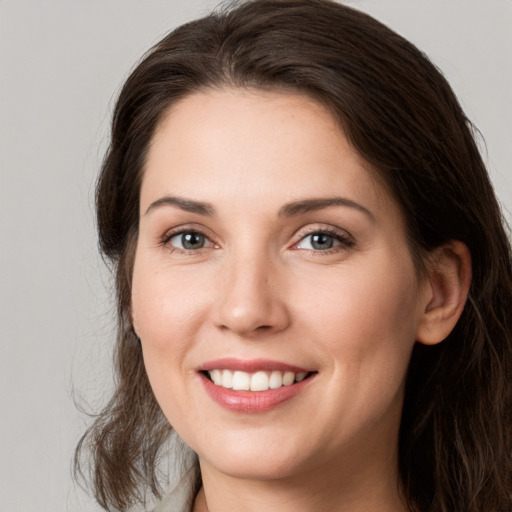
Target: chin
{"points": [[254, 468], [257, 459]]}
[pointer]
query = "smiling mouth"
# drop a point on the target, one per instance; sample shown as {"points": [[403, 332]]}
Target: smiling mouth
{"points": [[257, 381], [253, 386]]}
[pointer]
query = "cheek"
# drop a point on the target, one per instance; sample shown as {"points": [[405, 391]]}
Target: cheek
{"points": [[165, 312], [169, 307], [372, 294], [165, 305], [363, 327], [363, 316]]}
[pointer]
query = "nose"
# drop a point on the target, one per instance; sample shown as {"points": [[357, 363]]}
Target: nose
{"points": [[252, 300]]}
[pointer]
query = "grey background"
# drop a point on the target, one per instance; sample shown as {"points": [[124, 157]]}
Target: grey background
{"points": [[61, 63]]}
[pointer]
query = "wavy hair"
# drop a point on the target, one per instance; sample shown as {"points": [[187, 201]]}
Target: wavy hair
{"points": [[400, 114]]}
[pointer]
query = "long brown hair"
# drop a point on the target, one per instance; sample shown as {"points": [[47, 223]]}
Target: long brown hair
{"points": [[399, 113]]}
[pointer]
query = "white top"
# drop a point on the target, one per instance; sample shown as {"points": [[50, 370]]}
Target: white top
{"points": [[183, 477], [181, 499]]}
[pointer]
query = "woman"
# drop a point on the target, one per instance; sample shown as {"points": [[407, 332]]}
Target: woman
{"points": [[313, 277]]}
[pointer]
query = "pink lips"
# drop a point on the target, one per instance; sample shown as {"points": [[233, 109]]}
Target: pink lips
{"points": [[251, 401], [252, 366]]}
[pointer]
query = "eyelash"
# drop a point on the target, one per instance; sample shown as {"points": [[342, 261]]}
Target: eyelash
{"points": [[184, 231], [345, 241]]}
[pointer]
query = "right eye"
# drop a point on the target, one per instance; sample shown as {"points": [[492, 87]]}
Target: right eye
{"points": [[189, 241]]}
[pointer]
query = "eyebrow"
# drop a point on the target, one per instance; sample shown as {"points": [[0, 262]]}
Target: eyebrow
{"points": [[292, 209], [309, 205], [187, 205]]}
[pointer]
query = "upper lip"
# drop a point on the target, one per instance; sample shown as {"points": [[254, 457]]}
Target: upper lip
{"points": [[250, 366]]}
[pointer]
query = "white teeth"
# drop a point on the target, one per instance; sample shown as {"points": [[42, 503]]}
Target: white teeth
{"points": [[241, 381], [258, 381], [216, 376], [300, 376], [227, 379], [288, 378], [276, 380]]}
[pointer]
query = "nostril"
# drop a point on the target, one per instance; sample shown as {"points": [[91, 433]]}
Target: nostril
{"points": [[264, 327]]}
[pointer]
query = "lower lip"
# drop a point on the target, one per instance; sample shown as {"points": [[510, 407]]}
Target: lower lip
{"points": [[252, 401]]}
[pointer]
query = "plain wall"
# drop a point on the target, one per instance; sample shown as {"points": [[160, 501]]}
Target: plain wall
{"points": [[61, 64]]}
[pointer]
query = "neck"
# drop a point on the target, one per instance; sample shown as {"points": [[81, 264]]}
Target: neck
{"points": [[368, 488]]}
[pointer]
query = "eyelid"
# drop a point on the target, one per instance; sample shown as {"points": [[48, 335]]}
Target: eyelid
{"points": [[187, 228], [344, 237]]}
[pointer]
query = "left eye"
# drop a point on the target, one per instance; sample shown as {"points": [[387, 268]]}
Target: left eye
{"points": [[319, 241], [189, 241]]}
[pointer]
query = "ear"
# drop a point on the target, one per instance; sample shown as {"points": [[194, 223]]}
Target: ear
{"points": [[446, 292]]}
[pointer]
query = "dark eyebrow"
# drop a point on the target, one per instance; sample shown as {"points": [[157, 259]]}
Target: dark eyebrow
{"points": [[288, 210], [308, 205], [185, 204]]}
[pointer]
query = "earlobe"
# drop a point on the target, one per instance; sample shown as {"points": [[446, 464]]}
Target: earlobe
{"points": [[448, 285]]}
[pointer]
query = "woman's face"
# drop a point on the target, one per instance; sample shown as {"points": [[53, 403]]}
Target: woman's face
{"points": [[271, 259]]}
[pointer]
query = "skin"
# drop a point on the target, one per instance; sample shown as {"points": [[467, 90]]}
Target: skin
{"points": [[259, 289]]}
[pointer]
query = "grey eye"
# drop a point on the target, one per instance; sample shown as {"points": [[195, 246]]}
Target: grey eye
{"points": [[318, 242], [189, 241]]}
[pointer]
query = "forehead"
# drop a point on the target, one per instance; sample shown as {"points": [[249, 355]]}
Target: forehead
{"points": [[243, 147]]}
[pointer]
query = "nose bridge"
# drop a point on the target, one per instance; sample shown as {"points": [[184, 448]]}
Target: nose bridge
{"points": [[251, 301]]}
